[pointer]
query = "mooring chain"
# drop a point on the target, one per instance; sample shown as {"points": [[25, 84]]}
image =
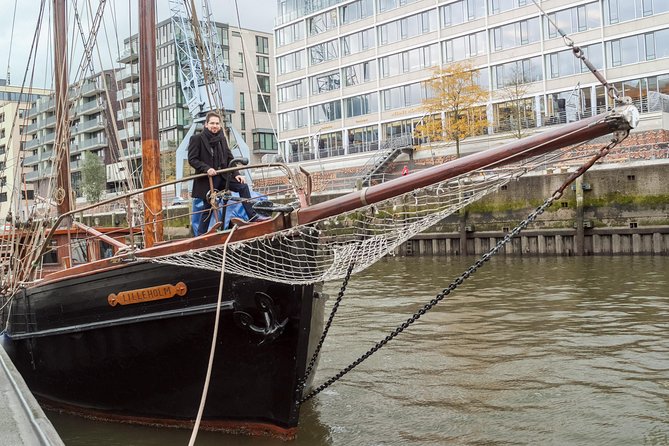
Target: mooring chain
{"points": [[618, 137], [303, 382]]}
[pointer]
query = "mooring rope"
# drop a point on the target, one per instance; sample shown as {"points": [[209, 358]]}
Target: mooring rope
{"points": [[212, 352]]}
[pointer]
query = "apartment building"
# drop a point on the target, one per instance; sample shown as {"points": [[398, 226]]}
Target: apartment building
{"points": [[14, 105], [92, 109], [351, 73]]}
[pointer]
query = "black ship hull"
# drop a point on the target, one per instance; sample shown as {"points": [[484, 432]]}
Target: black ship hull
{"points": [[146, 361]]}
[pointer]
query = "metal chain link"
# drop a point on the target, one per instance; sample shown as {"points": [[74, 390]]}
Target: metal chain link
{"points": [[618, 137], [303, 382]]}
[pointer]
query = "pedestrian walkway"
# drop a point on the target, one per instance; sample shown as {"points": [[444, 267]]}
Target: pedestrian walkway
{"points": [[22, 420]]}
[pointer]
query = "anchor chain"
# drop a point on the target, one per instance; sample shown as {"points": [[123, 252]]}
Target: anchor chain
{"points": [[618, 137], [303, 382]]}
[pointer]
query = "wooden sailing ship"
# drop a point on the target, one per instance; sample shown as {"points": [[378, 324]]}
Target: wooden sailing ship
{"points": [[128, 337]]}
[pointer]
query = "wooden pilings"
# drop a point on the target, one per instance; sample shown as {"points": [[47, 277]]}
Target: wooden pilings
{"points": [[556, 242]]}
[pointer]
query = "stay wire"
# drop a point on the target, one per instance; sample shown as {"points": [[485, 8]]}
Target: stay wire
{"points": [[579, 54], [618, 137]]}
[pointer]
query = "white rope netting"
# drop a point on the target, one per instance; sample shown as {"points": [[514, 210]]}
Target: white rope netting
{"points": [[324, 250]]}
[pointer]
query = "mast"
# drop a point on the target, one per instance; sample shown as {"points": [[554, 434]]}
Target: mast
{"points": [[148, 87], [62, 137]]}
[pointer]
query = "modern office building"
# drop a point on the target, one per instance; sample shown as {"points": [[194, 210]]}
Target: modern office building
{"points": [[351, 73]]}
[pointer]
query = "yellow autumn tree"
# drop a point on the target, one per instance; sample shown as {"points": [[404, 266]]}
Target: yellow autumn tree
{"points": [[454, 109]]}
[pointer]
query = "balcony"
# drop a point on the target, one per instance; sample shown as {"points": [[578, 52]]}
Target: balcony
{"points": [[128, 54], [33, 143], [49, 138], [50, 122], [90, 126], [31, 160], [98, 142], [90, 89], [91, 107], [129, 113], [32, 128], [32, 176], [128, 73], [128, 93], [133, 151], [132, 132]]}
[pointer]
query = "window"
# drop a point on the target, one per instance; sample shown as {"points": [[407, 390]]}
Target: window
{"points": [[262, 45], [461, 12], [262, 64], [361, 105], [242, 104], [387, 5], [464, 47], [617, 11], [325, 82], [637, 48], [359, 73], [264, 104], [240, 61], [290, 34], [518, 72], [356, 11], [291, 62], [294, 119], [357, 42], [263, 84], [515, 34], [498, 6], [569, 21], [322, 22], [404, 96], [564, 63], [323, 52], [408, 27], [329, 111], [408, 61], [242, 121], [291, 91], [264, 141]]}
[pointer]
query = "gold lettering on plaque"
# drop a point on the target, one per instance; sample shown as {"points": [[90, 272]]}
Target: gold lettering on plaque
{"points": [[147, 294]]}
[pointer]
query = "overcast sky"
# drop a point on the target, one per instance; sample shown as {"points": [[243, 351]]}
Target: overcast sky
{"points": [[14, 51]]}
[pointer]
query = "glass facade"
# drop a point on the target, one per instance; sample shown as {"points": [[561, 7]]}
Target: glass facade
{"points": [[391, 47]]}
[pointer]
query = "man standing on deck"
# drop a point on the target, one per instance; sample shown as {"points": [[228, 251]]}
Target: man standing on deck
{"points": [[208, 152]]}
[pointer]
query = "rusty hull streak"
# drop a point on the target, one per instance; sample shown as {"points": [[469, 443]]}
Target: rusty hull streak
{"points": [[229, 427]]}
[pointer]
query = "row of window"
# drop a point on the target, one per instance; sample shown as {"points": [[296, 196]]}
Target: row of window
{"points": [[628, 50], [415, 94], [500, 38], [575, 19], [549, 109]]}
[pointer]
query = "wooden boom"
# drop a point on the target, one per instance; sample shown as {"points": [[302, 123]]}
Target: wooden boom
{"points": [[622, 119]]}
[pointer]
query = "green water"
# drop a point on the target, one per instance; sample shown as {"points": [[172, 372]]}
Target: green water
{"points": [[555, 351]]}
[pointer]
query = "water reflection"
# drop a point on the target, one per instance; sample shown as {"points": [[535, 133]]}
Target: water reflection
{"points": [[528, 351]]}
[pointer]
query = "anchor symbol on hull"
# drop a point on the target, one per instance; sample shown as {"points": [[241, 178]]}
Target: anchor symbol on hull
{"points": [[272, 329]]}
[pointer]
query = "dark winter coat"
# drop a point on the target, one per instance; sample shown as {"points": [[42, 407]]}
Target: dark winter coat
{"points": [[202, 155]]}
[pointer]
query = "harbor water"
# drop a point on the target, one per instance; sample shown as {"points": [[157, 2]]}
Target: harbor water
{"points": [[540, 351]]}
